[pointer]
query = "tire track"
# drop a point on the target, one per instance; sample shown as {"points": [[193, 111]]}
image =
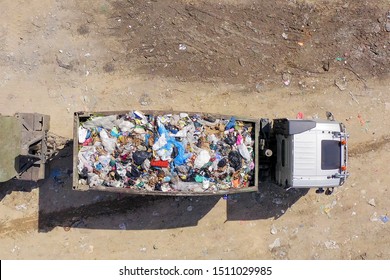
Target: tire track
{"points": [[21, 225], [366, 147]]}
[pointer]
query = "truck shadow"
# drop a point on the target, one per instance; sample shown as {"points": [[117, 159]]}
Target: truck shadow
{"points": [[15, 185], [61, 206], [270, 202]]}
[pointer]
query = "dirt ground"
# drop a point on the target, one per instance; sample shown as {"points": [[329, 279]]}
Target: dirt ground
{"points": [[256, 59]]}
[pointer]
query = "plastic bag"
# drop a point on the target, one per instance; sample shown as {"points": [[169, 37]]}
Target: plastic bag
{"points": [[231, 140], [231, 123], [140, 156], [244, 152], [205, 184], [104, 160], [248, 140], [202, 159], [115, 132], [140, 116], [222, 163], [161, 142], [181, 156], [181, 133], [235, 160], [125, 126], [164, 154], [105, 122], [85, 161], [109, 144], [213, 139], [94, 180], [240, 139], [82, 132]]}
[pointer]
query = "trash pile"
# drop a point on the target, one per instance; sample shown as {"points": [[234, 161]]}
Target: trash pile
{"points": [[166, 153]]}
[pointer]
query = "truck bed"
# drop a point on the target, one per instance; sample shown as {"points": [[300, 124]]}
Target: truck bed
{"points": [[165, 153]]}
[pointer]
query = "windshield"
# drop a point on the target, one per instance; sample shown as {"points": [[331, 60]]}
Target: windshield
{"points": [[330, 154]]}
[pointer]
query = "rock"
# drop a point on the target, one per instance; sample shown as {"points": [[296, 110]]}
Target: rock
{"points": [[145, 100], [376, 28], [241, 61], [259, 87], [331, 244], [275, 244], [341, 83], [281, 254], [374, 217], [387, 27], [295, 231], [143, 249], [90, 249], [372, 202], [326, 65], [16, 248], [182, 47], [189, 208], [286, 77], [21, 207], [274, 230]]}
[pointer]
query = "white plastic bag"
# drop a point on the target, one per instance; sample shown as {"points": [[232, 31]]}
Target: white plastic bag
{"points": [[165, 154], [125, 126], [82, 134], [108, 143], [202, 159], [244, 152], [105, 122], [104, 160], [161, 142]]}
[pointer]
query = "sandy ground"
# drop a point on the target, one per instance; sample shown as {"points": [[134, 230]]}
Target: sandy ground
{"points": [[247, 58]]}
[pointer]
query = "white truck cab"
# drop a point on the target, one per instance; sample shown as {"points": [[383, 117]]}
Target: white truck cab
{"points": [[310, 153]]}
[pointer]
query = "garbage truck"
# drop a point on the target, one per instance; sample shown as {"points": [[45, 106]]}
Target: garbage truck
{"points": [[182, 153]]}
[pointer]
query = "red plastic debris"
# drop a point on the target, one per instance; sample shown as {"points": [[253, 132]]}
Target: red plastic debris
{"points": [[159, 163], [300, 116]]}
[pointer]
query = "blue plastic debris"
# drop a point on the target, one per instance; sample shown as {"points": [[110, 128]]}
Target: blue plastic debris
{"points": [[231, 123]]}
